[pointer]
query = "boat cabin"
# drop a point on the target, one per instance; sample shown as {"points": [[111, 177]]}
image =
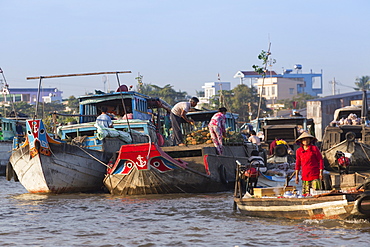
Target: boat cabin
{"points": [[346, 126], [125, 108], [288, 129], [7, 129], [136, 105], [202, 119]]}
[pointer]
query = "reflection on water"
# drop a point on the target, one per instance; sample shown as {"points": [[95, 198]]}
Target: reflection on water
{"points": [[156, 220]]}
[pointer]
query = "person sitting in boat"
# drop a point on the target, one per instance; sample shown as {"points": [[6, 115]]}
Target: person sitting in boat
{"points": [[256, 160], [20, 132], [254, 139], [104, 120], [310, 161], [178, 116], [217, 128], [279, 142], [273, 145]]}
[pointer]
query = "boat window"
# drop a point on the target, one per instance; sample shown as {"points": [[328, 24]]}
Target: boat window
{"points": [[141, 105]]}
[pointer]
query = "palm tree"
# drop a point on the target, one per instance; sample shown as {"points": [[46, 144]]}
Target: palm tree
{"points": [[362, 83]]}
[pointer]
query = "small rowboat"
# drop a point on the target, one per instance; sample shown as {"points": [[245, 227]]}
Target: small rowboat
{"points": [[341, 206], [270, 202]]}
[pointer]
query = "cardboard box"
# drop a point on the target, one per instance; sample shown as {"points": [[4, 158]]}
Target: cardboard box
{"points": [[272, 191]]}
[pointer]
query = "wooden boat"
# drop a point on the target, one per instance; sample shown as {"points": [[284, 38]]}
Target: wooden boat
{"points": [[45, 165], [274, 202], [7, 134], [74, 158], [273, 181], [341, 206], [287, 129], [150, 169], [346, 139]]}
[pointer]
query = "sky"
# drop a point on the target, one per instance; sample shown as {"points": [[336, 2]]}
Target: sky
{"points": [[181, 43]]}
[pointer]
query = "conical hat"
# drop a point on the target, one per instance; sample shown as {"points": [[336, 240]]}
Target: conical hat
{"points": [[306, 135]]}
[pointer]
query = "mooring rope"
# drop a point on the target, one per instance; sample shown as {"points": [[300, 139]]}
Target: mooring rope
{"points": [[364, 151]]}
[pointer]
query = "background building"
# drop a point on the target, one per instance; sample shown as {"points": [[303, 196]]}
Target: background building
{"points": [[285, 85], [29, 95], [212, 88]]}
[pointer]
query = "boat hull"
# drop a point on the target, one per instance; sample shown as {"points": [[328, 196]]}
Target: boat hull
{"points": [[326, 207], [68, 169], [177, 181], [147, 169], [5, 151]]}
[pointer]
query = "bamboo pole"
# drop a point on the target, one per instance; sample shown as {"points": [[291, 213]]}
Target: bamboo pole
{"points": [[80, 74]]}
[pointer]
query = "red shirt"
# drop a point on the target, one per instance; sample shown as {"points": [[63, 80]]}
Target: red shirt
{"points": [[310, 161]]}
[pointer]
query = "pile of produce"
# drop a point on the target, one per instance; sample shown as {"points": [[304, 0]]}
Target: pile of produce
{"points": [[202, 136], [352, 119]]}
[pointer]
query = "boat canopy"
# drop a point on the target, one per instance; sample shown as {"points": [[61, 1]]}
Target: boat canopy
{"points": [[137, 104], [345, 111], [303, 122], [205, 117]]}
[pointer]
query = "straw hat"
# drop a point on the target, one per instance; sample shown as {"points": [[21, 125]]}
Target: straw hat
{"points": [[306, 135]]}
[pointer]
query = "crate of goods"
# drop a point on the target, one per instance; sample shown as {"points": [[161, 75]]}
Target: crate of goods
{"points": [[272, 191], [342, 181]]}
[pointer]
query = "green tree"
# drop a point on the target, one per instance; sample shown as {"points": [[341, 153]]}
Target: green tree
{"points": [[246, 103], [199, 93], [20, 108], [362, 83], [264, 57], [73, 104], [167, 93], [242, 100], [301, 100]]}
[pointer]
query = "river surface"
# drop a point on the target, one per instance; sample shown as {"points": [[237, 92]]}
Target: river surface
{"points": [[165, 220]]}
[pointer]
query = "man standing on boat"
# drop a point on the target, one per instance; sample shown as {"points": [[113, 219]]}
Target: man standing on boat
{"points": [[104, 120], [255, 139], [217, 128], [309, 159], [178, 116]]}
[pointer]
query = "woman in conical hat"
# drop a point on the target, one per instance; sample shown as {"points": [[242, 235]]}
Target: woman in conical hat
{"points": [[306, 135], [310, 161]]}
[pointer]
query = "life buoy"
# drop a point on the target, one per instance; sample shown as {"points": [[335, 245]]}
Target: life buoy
{"points": [[350, 136], [251, 172], [222, 173], [363, 203], [280, 150]]}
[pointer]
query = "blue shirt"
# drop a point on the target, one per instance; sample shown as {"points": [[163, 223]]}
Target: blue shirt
{"points": [[104, 121]]}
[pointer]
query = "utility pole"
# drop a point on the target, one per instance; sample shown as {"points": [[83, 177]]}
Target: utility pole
{"points": [[334, 86]]}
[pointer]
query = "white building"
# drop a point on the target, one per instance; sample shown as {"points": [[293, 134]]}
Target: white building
{"points": [[213, 88], [275, 88], [285, 85]]}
